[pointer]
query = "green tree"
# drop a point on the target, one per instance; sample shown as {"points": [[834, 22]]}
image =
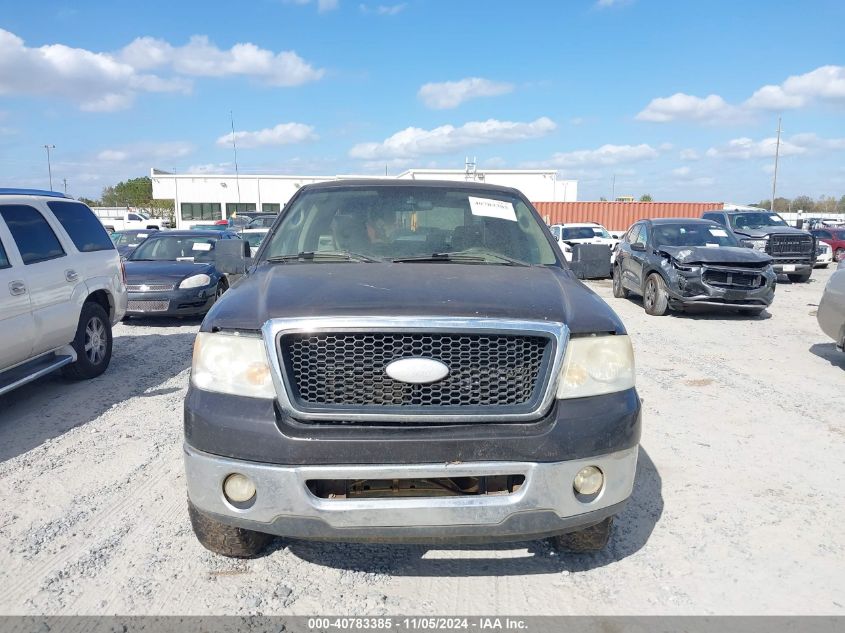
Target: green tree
{"points": [[137, 192], [840, 206], [804, 203], [646, 197], [89, 202]]}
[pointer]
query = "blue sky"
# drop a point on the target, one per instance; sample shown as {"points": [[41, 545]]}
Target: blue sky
{"points": [[676, 99]]}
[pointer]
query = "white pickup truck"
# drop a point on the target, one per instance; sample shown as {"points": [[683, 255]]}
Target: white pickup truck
{"points": [[124, 219], [62, 287]]}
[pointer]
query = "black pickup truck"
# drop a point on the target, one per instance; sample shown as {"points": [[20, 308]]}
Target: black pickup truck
{"points": [[408, 362], [792, 250]]}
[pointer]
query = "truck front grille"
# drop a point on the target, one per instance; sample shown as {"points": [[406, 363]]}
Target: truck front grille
{"points": [[790, 246], [340, 370]]}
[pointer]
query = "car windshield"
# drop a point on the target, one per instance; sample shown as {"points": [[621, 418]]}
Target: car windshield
{"points": [[254, 239], [755, 220], [143, 215], [173, 247], [583, 232], [389, 223], [692, 235]]}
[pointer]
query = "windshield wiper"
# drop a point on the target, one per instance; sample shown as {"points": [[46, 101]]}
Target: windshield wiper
{"points": [[469, 258], [308, 256]]}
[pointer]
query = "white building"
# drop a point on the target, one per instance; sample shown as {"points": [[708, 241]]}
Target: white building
{"points": [[203, 198]]}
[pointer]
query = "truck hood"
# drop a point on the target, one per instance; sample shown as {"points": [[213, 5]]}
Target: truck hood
{"points": [[716, 255], [166, 272], [764, 231], [541, 293]]}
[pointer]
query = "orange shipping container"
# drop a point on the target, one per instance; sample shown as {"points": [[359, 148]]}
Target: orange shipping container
{"points": [[618, 216]]}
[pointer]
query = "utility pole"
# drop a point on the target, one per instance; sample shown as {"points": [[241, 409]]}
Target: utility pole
{"points": [[613, 189], [235, 150], [64, 180], [775, 179], [49, 167]]}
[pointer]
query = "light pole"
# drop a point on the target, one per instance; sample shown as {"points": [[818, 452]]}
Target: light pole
{"points": [[64, 180], [49, 168], [775, 178]]}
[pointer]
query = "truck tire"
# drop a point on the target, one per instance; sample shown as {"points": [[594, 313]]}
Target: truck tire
{"points": [[619, 291], [92, 343], [226, 540], [591, 539], [655, 295], [799, 278]]}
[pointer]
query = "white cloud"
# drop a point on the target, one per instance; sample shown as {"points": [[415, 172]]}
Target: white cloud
{"points": [[146, 153], [682, 171], [826, 83], [606, 4], [322, 5], [281, 134], [451, 94], [384, 9], [604, 155], [689, 154], [201, 58], [688, 107], [95, 81], [744, 148], [413, 141]]}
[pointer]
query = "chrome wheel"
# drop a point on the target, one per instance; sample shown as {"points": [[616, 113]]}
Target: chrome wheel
{"points": [[95, 340]]}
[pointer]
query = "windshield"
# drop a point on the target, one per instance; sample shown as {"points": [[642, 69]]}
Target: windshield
{"points": [[143, 215], [583, 232], [692, 235], [755, 220], [173, 247], [387, 223], [254, 239]]}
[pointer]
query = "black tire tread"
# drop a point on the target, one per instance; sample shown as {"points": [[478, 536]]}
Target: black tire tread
{"points": [[621, 292], [226, 540], [661, 302]]}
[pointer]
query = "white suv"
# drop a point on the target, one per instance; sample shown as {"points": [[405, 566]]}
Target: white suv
{"points": [[61, 288], [581, 233]]}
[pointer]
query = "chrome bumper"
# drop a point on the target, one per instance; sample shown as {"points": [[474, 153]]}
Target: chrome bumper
{"points": [[545, 504]]}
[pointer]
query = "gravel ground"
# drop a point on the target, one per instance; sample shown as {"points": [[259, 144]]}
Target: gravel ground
{"points": [[738, 506]]}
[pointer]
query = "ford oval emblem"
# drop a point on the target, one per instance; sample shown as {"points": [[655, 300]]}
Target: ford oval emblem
{"points": [[417, 371]]}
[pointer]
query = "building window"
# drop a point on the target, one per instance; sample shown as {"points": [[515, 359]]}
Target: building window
{"points": [[238, 207], [201, 211], [270, 207]]}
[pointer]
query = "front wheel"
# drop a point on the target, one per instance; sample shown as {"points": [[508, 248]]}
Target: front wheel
{"points": [[226, 540], [799, 278], [655, 296], [92, 343], [619, 291], [591, 539]]}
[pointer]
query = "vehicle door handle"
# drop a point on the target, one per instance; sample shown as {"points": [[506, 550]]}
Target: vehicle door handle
{"points": [[71, 275], [17, 288]]}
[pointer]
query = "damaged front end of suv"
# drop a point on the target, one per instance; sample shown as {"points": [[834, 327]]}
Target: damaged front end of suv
{"points": [[726, 277]]}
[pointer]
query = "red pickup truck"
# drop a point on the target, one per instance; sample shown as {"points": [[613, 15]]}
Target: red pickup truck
{"points": [[835, 237]]}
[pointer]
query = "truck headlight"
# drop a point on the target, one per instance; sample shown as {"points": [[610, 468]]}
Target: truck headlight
{"points": [[195, 281], [596, 365], [233, 364], [757, 245]]}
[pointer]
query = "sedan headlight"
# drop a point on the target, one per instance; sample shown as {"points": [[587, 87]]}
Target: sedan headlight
{"points": [[233, 364], [596, 365], [195, 281], [757, 245]]}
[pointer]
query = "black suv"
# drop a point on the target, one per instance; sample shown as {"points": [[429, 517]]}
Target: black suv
{"points": [[793, 251], [409, 362], [679, 262]]}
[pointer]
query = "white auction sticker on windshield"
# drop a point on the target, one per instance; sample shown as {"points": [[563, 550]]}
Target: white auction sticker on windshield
{"points": [[142, 236], [774, 218], [201, 246], [718, 232], [492, 208], [708, 245]]}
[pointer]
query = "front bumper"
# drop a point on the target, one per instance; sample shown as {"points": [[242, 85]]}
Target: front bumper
{"points": [[689, 289], [792, 267], [171, 303], [544, 505]]}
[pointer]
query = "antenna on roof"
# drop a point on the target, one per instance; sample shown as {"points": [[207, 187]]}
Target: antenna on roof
{"points": [[235, 150]]}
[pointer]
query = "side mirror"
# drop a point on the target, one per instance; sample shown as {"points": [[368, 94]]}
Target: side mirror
{"points": [[232, 257], [638, 246]]}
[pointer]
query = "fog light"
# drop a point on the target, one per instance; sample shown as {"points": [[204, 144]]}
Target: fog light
{"points": [[238, 488], [588, 481]]}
